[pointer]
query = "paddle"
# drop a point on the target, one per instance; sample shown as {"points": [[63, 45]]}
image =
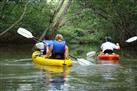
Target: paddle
{"points": [[91, 54], [82, 61], [134, 38], [28, 34]]}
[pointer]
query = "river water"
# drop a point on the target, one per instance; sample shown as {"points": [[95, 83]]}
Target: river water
{"points": [[18, 73]]}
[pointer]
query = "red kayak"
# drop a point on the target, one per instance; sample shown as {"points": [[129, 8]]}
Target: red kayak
{"points": [[103, 56], [108, 61]]}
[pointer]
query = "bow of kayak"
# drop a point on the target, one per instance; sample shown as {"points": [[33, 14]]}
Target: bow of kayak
{"points": [[103, 56]]}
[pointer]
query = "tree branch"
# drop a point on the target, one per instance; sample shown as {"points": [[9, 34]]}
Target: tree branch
{"points": [[16, 22]]}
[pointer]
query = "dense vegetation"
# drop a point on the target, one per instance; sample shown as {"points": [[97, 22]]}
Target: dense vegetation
{"points": [[80, 21]]}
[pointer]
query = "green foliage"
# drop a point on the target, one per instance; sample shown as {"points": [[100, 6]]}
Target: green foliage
{"points": [[9, 15], [79, 35], [86, 21], [37, 17]]}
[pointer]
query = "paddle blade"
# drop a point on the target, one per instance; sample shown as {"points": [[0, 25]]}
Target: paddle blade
{"points": [[131, 39], [25, 33], [84, 62], [91, 54]]}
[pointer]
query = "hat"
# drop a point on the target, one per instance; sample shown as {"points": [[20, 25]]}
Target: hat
{"points": [[40, 45], [108, 38]]}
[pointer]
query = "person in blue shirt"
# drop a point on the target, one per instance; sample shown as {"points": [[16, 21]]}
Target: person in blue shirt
{"points": [[59, 49], [48, 42]]}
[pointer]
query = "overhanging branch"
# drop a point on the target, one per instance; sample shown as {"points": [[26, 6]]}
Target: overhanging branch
{"points": [[16, 22]]}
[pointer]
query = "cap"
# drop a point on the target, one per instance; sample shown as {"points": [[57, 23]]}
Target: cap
{"points": [[40, 45]]}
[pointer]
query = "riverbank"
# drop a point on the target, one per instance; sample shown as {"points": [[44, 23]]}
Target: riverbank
{"points": [[80, 49]]}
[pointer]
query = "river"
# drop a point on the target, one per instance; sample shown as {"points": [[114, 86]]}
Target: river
{"points": [[18, 73]]}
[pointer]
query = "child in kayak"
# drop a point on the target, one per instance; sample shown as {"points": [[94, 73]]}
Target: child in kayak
{"points": [[43, 48], [107, 47]]}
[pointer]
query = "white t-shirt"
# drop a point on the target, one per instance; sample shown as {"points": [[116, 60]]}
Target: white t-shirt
{"points": [[109, 46]]}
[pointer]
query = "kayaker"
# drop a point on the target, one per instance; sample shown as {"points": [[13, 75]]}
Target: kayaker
{"points": [[48, 42], [107, 47], [43, 48], [59, 49]]}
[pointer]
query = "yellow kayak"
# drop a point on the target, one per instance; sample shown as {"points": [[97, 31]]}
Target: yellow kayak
{"points": [[54, 69], [41, 60]]}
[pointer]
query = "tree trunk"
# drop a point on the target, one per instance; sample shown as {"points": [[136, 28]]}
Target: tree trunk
{"points": [[57, 17]]}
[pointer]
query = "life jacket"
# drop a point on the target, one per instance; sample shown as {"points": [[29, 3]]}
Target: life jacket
{"points": [[58, 47]]}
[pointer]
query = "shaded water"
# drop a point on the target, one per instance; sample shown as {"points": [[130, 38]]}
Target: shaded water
{"points": [[18, 73]]}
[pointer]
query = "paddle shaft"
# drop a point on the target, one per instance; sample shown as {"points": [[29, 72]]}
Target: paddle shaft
{"points": [[36, 39], [73, 57]]}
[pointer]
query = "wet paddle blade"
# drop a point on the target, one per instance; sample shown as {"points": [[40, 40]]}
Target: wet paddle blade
{"points": [[84, 62], [25, 33], [91, 54], [131, 39]]}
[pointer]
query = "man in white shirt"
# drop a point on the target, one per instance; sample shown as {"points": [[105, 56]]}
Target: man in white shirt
{"points": [[108, 46]]}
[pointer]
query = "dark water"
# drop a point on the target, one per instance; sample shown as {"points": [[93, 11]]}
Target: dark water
{"points": [[18, 73]]}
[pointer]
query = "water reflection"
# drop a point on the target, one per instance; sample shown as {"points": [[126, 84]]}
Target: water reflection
{"points": [[55, 77], [108, 62], [17, 73], [24, 87]]}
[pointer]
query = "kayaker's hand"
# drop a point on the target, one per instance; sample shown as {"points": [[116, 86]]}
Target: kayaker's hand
{"points": [[118, 46], [46, 56], [66, 58]]}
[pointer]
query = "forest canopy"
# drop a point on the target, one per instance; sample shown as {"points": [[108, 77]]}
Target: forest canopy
{"points": [[80, 21]]}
